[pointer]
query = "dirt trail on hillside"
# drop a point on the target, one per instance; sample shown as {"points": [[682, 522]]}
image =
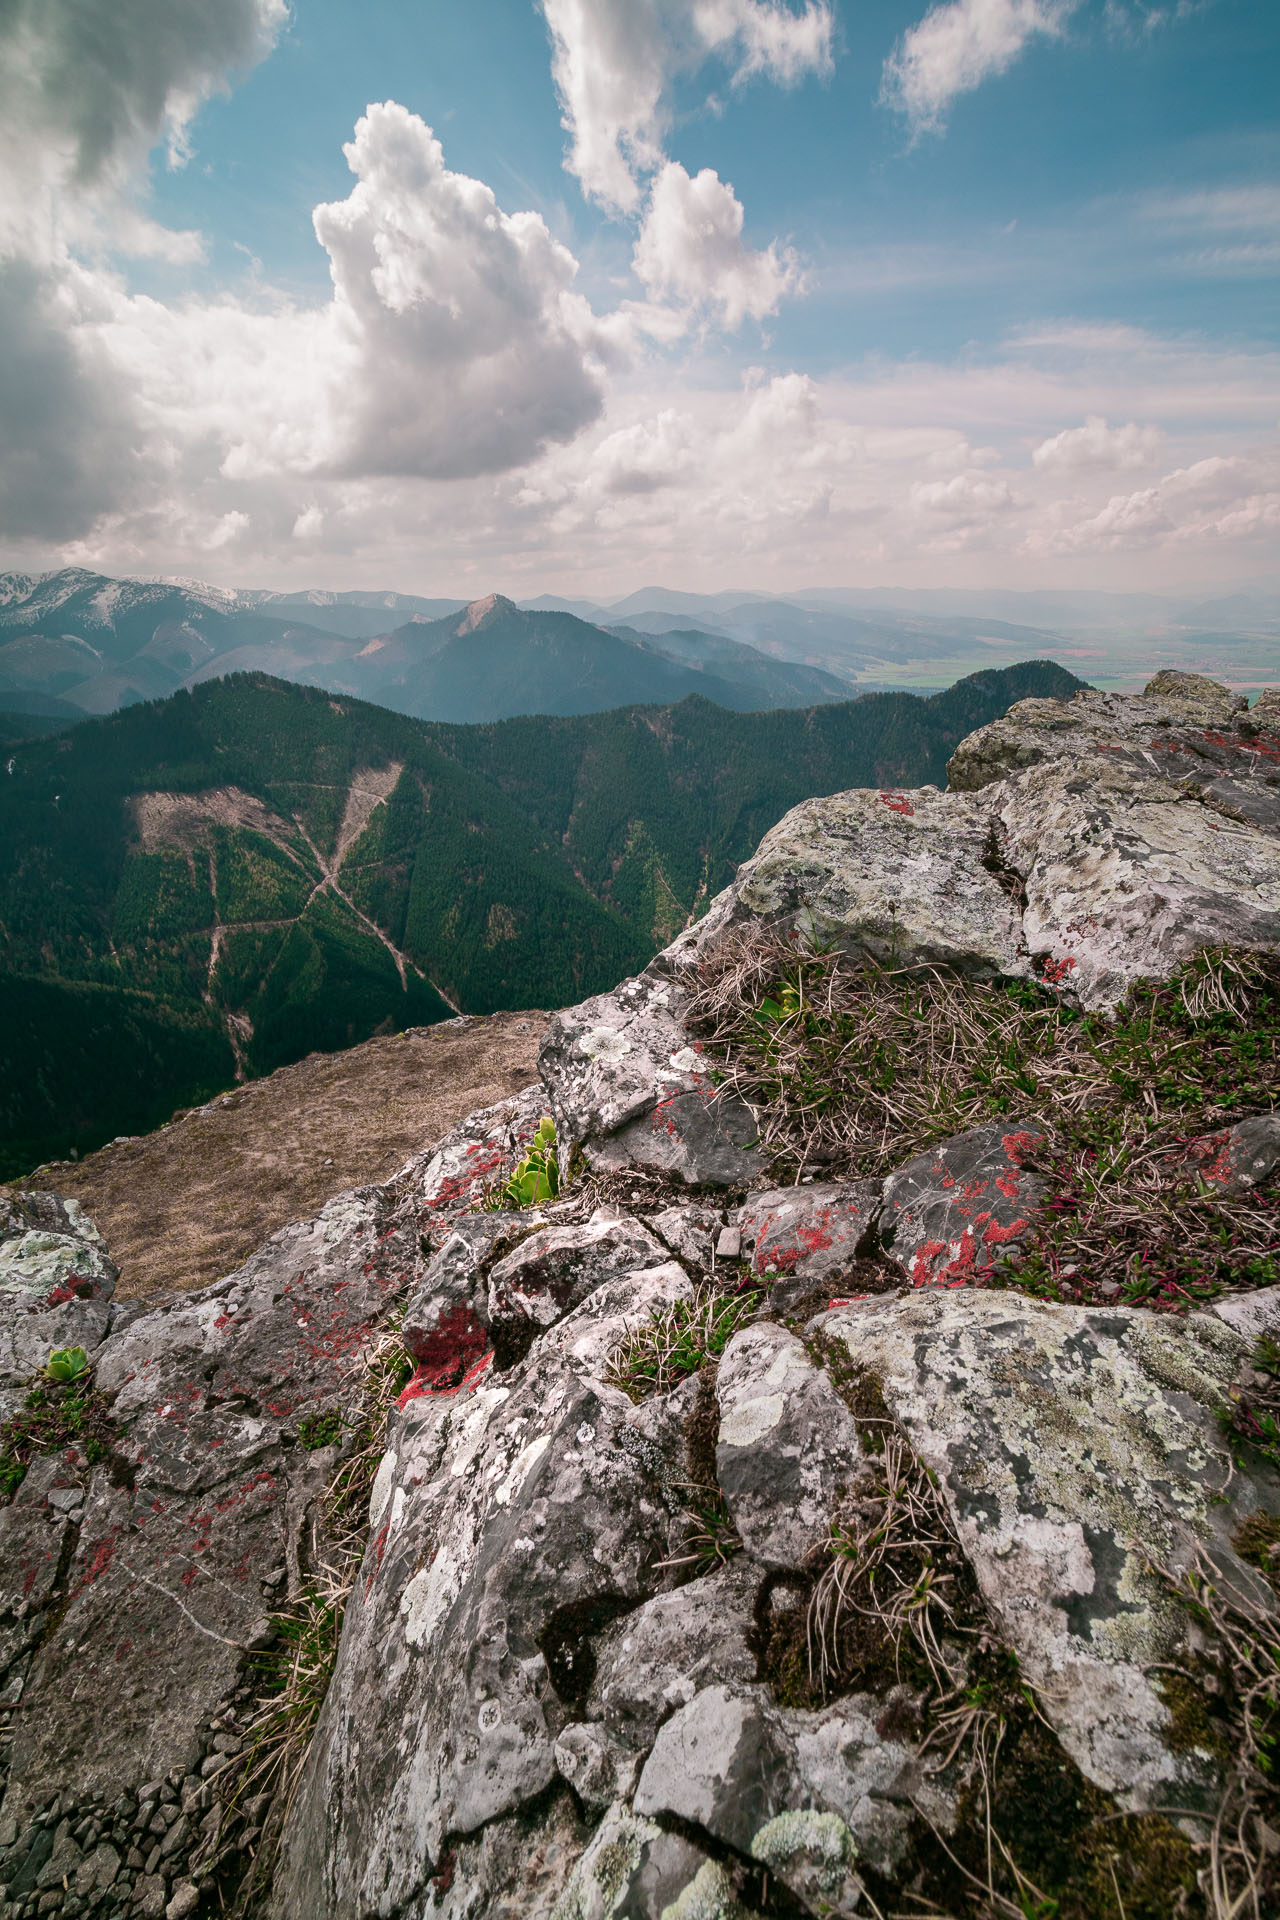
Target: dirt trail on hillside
{"points": [[181, 1207]]}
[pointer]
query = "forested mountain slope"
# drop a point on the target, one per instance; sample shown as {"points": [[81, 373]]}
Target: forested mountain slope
{"points": [[226, 880]]}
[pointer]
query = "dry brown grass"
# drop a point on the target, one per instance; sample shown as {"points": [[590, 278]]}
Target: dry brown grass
{"points": [[182, 1207], [276, 1728], [851, 1070]]}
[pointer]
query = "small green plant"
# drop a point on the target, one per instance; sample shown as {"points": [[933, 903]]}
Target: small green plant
{"points": [[711, 1540], [320, 1430], [67, 1363], [537, 1177], [1252, 1416], [678, 1340], [57, 1415]]}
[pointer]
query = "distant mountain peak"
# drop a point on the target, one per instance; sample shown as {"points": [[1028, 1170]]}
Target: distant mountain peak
{"points": [[494, 606]]}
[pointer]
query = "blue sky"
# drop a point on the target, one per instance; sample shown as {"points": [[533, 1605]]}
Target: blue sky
{"points": [[977, 293], [1044, 191]]}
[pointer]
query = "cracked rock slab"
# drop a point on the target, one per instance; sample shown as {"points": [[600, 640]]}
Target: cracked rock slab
{"points": [[614, 1057], [555, 1268], [896, 878], [787, 1446], [952, 1210], [810, 1234], [1076, 1449], [162, 1599], [512, 1518], [707, 1137], [810, 1795], [657, 1658], [1126, 877]]}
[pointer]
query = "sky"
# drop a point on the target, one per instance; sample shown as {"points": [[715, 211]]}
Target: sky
{"points": [[579, 296]]}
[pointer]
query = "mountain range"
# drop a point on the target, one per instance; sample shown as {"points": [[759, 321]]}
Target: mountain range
{"points": [[76, 643], [209, 886]]}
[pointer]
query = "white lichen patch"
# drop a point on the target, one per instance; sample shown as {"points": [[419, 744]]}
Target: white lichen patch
{"points": [[751, 1420], [708, 1896], [808, 1838], [605, 1045]]}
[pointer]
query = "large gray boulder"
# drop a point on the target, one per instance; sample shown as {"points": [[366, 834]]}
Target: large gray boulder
{"points": [[1078, 1451], [510, 1521], [1089, 843], [895, 878]]}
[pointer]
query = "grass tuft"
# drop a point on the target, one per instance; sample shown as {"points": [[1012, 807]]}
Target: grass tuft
{"points": [[853, 1069], [678, 1340]]}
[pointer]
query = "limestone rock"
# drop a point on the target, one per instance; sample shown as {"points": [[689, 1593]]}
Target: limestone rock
{"points": [[472, 1157], [162, 1598], [787, 1445], [1089, 843], [690, 1231], [896, 878], [555, 1268], [1125, 877], [636, 1871], [1254, 1316], [808, 1795], [1183, 723], [654, 1660], [613, 1058], [1237, 1159], [56, 1282], [705, 1138], [810, 1234], [1075, 1449], [512, 1518], [599, 1767], [951, 1210]]}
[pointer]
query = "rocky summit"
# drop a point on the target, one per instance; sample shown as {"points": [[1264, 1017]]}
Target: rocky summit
{"points": [[839, 1476]]}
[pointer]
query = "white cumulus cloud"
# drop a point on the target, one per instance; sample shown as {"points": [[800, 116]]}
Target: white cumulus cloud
{"points": [[614, 61], [454, 344], [1223, 497], [84, 95], [958, 45], [690, 250], [1098, 445]]}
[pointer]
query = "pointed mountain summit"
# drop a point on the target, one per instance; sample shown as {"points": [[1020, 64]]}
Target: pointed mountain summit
{"points": [[484, 613], [544, 660]]}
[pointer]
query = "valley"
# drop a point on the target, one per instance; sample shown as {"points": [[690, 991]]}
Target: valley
{"points": [[197, 891]]}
